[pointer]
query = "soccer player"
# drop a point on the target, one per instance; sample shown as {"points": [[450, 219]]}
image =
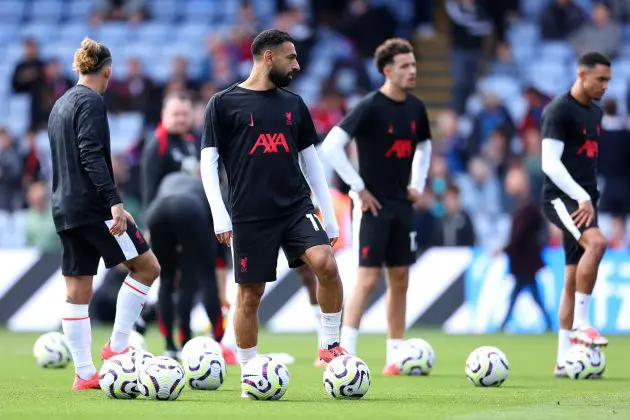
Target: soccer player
{"points": [[259, 130], [179, 216], [570, 133], [89, 214], [393, 137]]}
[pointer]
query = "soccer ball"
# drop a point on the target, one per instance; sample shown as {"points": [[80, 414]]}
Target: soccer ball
{"points": [[205, 370], [347, 377], [51, 351], [264, 378], [415, 357], [585, 363], [137, 341], [487, 366], [140, 358], [200, 345], [161, 378], [118, 377]]}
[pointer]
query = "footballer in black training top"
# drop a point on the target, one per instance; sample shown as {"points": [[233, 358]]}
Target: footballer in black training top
{"points": [[393, 138], [261, 131], [571, 127]]}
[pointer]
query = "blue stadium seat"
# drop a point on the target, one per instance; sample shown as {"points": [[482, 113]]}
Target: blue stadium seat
{"points": [[154, 32], [112, 33], [78, 10], [165, 10], [42, 32], [17, 119], [556, 51], [9, 32], [201, 11], [550, 77], [46, 11], [531, 9], [504, 87], [264, 11], [523, 33], [194, 33], [12, 11], [74, 32]]}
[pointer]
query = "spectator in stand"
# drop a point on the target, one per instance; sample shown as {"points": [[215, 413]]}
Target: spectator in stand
{"points": [[480, 190], [40, 229], [328, 111], [452, 144], [131, 93], [536, 102], [504, 64], [455, 228], [496, 153], [424, 17], [614, 156], [54, 84], [470, 24], [28, 75], [494, 116], [602, 34], [10, 172], [131, 10], [560, 19], [532, 147]]}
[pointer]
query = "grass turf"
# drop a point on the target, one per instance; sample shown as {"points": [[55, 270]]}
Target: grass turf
{"points": [[29, 391]]}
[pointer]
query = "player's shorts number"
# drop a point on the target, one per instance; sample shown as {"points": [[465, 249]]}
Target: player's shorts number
{"points": [[413, 246], [314, 221]]}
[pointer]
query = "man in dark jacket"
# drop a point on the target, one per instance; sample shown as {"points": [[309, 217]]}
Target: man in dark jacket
{"points": [[524, 248]]}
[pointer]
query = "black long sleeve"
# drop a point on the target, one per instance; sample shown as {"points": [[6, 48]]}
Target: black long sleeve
{"points": [[91, 124], [151, 171]]}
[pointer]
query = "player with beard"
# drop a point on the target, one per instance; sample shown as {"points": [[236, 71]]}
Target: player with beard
{"points": [[391, 129], [571, 126], [260, 131]]}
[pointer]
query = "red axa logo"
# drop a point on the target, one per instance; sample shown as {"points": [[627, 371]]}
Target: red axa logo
{"points": [[590, 148], [270, 143], [400, 148], [244, 265]]}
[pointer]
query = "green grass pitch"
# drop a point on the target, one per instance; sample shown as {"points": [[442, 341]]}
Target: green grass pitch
{"points": [[28, 391]]}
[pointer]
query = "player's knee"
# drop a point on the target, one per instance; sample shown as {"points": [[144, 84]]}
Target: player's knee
{"points": [[79, 292], [249, 297], [328, 271]]}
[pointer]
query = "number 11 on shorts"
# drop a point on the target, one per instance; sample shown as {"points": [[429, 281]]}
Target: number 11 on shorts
{"points": [[314, 221]]}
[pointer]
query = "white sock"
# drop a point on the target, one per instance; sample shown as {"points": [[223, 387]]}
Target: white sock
{"points": [[317, 312], [245, 355], [78, 332], [580, 309], [349, 337], [331, 323], [392, 345], [564, 344], [131, 299]]}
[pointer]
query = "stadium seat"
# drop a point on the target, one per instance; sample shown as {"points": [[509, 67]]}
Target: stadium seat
{"points": [[9, 32], [531, 9], [12, 11], [42, 32], [50, 11], [550, 77], [79, 10], [201, 11], [74, 32], [164, 10], [112, 34], [557, 51], [191, 32], [153, 32], [19, 114], [504, 87]]}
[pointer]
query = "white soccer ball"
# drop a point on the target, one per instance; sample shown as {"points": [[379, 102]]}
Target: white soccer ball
{"points": [[347, 377], [137, 341], [487, 366], [118, 377], [51, 351], [204, 370], [264, 378], [585, 363], [200, 345], [140, 358], [415, 357], [161, 378]]}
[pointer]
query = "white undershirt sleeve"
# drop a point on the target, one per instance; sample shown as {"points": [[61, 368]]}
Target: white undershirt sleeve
{"points": [[553, 167], [333, 148], [314, 174], [420, 165], [209, 168]]}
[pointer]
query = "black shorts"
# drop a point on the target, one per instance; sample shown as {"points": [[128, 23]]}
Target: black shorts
{"points": [[558, 211], [387, 238], [82, 248], [256, 244]]}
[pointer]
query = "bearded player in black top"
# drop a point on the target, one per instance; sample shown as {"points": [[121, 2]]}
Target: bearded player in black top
{"points": [[393, 137], [570, 132], [260, 131], [89, 214]]}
